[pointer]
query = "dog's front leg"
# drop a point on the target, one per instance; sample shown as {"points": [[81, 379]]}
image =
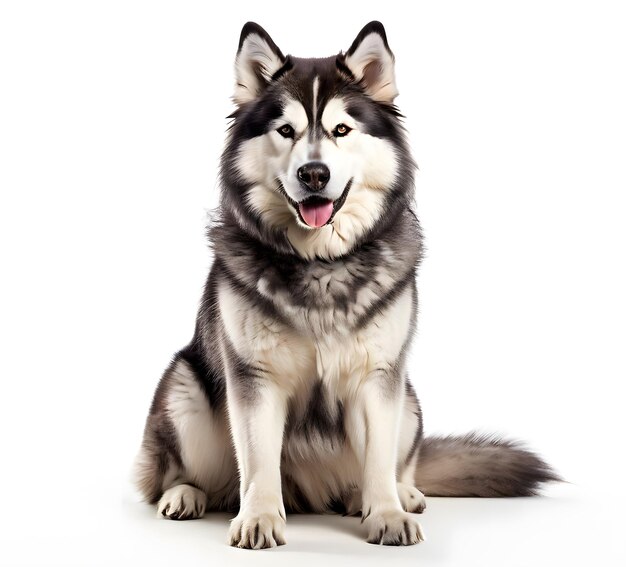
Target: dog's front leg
{"points": [[257, 411], [387, 523]]}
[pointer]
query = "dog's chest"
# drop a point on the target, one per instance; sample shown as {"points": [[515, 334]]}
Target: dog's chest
{"points": [[323, 327], [326, 299], [292, 357]]}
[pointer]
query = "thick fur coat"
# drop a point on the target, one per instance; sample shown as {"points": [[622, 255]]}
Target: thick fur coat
{"points": [[293, 394]]}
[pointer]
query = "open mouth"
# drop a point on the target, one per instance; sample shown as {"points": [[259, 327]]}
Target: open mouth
{"points": [[316, 211]]}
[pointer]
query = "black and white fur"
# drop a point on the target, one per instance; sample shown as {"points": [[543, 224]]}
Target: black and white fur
{"points": [[293, 393]]}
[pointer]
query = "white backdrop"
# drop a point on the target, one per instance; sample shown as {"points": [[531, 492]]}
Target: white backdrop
{"points": [[112, 118]]}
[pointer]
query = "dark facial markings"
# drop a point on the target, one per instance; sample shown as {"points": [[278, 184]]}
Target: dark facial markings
{"points": [[295, 81], [313, 82]]}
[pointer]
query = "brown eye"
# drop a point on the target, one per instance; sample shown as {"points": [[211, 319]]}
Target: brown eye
{"points": [[341, 130], [286, 131]]}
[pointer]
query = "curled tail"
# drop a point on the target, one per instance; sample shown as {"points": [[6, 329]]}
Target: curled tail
{"points": [[479, 465]]}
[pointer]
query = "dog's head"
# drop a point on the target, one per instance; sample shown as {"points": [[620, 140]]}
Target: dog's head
{"points": [[316, 161]]}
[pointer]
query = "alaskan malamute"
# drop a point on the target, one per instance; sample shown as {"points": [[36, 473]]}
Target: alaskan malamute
{"points": [[293, 394]]}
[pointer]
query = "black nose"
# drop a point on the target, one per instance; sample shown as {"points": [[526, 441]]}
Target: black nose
{"points": [[314, 175]]}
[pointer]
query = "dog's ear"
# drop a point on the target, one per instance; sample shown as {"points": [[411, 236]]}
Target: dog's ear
{"points": [[371, 62], [258, 58]]}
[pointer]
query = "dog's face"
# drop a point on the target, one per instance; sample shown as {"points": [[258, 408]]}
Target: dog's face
{"points": [[316, 148]]}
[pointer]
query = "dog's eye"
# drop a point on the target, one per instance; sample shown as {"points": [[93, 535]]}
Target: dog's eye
{"points": [[341, 130], [286, 131]]}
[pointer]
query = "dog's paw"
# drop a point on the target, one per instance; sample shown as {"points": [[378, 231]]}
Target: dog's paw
{"points": [[411, 498], [257, 531], [393, 527], [182, 502]]}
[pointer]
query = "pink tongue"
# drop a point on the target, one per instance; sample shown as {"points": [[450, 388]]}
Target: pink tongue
{"points": [[316, 214]]}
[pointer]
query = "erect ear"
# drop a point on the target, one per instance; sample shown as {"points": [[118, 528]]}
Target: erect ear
{"points": [[370, 60], [258, 58]]}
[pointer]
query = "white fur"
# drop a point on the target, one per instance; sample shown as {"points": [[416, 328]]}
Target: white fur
{"points": [[357, 366], [382, 421], [263, 341], [182, 500], [294, 114], [335, 113], [291, 360], [271, 206], [316, 88], [371, 162], [411, 498], [349, 363], [200, 435], [388, 526], [255, 528], [257, 434], [373, 61], [255, 53], [251, 159], [263, 158], [359, 213]]}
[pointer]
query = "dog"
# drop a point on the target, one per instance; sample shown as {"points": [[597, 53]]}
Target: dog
{"points": [[293, 394]]}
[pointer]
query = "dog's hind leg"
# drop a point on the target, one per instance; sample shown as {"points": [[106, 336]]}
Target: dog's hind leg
{"points": [[182, 502], [186, 462]]}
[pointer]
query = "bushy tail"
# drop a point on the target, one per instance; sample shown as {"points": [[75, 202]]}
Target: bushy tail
{"points": [[479, 465]]}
